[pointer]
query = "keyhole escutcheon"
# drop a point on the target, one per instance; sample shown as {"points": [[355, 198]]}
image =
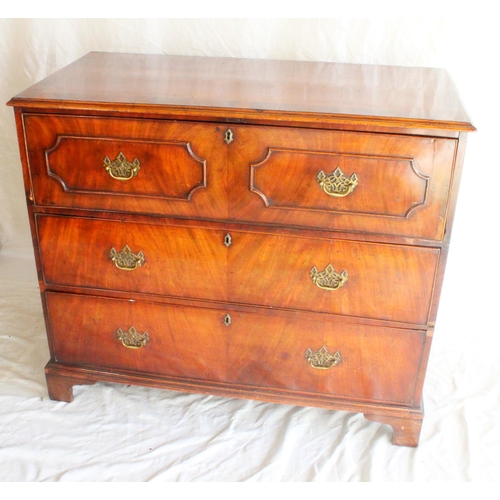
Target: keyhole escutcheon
{"points": [[228, 136]]}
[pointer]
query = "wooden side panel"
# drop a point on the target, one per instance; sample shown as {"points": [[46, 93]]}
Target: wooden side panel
{"points": [[402, 184], [180, 261], [179, 168]]}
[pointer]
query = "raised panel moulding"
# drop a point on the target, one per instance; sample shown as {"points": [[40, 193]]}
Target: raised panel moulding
{"points": [[381, 199], [87, 184]]}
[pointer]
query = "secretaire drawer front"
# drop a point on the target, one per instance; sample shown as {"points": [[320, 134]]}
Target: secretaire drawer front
{"points": [[152, 166], [378, 183], [139, 336], [125, 256], [345, 360], [370, 280]]}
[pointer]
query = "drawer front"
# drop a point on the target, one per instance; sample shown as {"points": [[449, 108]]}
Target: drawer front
{"points": [[144, 258], [139, 336], [149, 166], [377, 281], [266, 351], [327, 357], [377, 183]]}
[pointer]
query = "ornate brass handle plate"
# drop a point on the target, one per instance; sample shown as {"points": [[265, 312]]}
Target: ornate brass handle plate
{"points": [[126, 260], [132, 339], [328, 279], [120, 168], [322, 359], [337, 184]]}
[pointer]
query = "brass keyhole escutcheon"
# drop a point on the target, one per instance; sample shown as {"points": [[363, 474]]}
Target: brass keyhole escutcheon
{"points": [[228, 240], [227, 320], [228, 136]]}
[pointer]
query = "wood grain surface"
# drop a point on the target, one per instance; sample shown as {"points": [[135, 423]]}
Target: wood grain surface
{"points": [[403, 182], [252, 88], [387, 282], [377, 364], [182, 166]]}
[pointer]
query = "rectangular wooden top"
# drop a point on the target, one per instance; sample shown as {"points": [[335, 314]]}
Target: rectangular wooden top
{"points": [[239, 89]]}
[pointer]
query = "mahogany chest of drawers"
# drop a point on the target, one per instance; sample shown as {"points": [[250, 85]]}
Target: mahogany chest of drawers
{"points": [[274, 230]]}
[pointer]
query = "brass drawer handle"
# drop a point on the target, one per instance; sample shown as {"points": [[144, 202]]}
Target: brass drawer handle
{"points": [[120, 168], [132, 339], [322, 359], [328, 279], [337, 184], [126, 260]]}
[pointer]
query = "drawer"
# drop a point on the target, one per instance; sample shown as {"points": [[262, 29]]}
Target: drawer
{"points": [[142, 337], [327, 357], [377, 183], [144, 166], [266, 351], [369, 280], [133, 257]]}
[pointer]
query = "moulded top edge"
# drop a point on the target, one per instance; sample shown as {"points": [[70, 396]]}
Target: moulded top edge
{"points": [[332, 91]]}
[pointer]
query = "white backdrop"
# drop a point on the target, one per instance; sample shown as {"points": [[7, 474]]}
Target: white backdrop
{"points": [[119, 433]]}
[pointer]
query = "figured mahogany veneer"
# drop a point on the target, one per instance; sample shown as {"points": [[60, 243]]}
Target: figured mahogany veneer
{"points": [[176, 161], [392, 282], [394, 194], [274, 230], [178, 261], [256, 349], [272, 179]]}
